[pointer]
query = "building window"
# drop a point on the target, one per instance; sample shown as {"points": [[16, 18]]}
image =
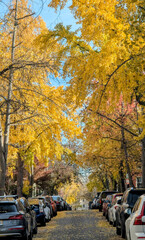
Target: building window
{"points": [[139, 182]]}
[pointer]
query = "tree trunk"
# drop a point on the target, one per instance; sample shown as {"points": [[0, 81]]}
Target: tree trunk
{"points": [[107, 181], [19, 176], [143, 162], [4, 140], [124, 145], [2, 165], [121, 187]]}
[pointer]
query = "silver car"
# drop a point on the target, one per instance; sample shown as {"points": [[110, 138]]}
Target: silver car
{"points": [[13, 223]]}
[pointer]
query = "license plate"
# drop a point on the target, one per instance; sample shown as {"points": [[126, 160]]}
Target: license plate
{"points": [[1, 222]]}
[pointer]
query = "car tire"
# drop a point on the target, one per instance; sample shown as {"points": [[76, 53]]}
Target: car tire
{"points": [[30, 236], [114, 223], [35, 229], [129, 236], [110, 222], [118, 231], [25, 237], [122, 230], [43, 223]]}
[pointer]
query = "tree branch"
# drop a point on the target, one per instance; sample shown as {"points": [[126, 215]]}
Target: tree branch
{"points": [[104, 116], [110, 76]]}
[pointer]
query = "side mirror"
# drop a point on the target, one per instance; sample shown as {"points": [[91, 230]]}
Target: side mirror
{"points": [[119, 201], [32, 207], [127, 211], [27, 209]]}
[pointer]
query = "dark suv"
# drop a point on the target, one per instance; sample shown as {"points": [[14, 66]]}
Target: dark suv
{"points": [[129, 198], [13, 222], [102, 197]]}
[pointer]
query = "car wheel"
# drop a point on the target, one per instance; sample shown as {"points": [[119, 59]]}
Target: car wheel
{"points": [[118, 232], [129, 236], [25, 237], [43, 223], [35, 229], [110, 222], [122, 230], [114, 223], [30, 236]]}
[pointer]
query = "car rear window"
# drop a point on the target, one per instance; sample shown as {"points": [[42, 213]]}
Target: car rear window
{"points": [[6, 207], [133, 197], [36, 207], [55, 198], [105, 194]]}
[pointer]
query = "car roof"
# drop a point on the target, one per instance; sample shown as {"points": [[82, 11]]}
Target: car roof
{"points": [[137, 190], [8, 201]]}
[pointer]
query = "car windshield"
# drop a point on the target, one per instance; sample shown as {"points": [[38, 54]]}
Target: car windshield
{"points": [[132, 198], [6, 207], [56, 198], [105, 194]]}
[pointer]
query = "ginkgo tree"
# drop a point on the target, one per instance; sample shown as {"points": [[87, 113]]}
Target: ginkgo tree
{"points": [[34, 116], [104, 59]]}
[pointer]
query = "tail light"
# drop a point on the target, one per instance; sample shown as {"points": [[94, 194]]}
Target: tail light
{"points": [[138, 219], [16, 217]]}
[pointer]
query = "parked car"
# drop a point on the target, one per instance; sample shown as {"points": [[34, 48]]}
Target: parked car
{"points": [[106, 205], [90, 204], [135, 224], [95, 204], [102, 197], [53, 204], [62, 203], [30, 212], [129, 199], [14, 221], [112, 209], [69, 208], [37, 206], [58, 202], [47, 208]]}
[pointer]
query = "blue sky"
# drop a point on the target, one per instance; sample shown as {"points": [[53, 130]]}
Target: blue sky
{"points": [[51, 17]]}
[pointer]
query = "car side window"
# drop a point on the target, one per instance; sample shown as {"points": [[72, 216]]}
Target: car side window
{"points": [[124, 199], [136, 206], [20, 206]]}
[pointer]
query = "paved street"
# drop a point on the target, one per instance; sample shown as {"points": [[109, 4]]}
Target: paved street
{"points": [[77, 225]]}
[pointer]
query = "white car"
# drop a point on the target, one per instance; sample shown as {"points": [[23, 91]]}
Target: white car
{"points": [[135, 224], [46, 208], [112, 211]]}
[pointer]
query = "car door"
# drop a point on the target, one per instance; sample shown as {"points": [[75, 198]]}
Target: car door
{"points": [[27, 214]]}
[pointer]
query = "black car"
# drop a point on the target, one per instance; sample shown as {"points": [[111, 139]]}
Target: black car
{"points": [[13, 220], [102, 198], [128, 201]]}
